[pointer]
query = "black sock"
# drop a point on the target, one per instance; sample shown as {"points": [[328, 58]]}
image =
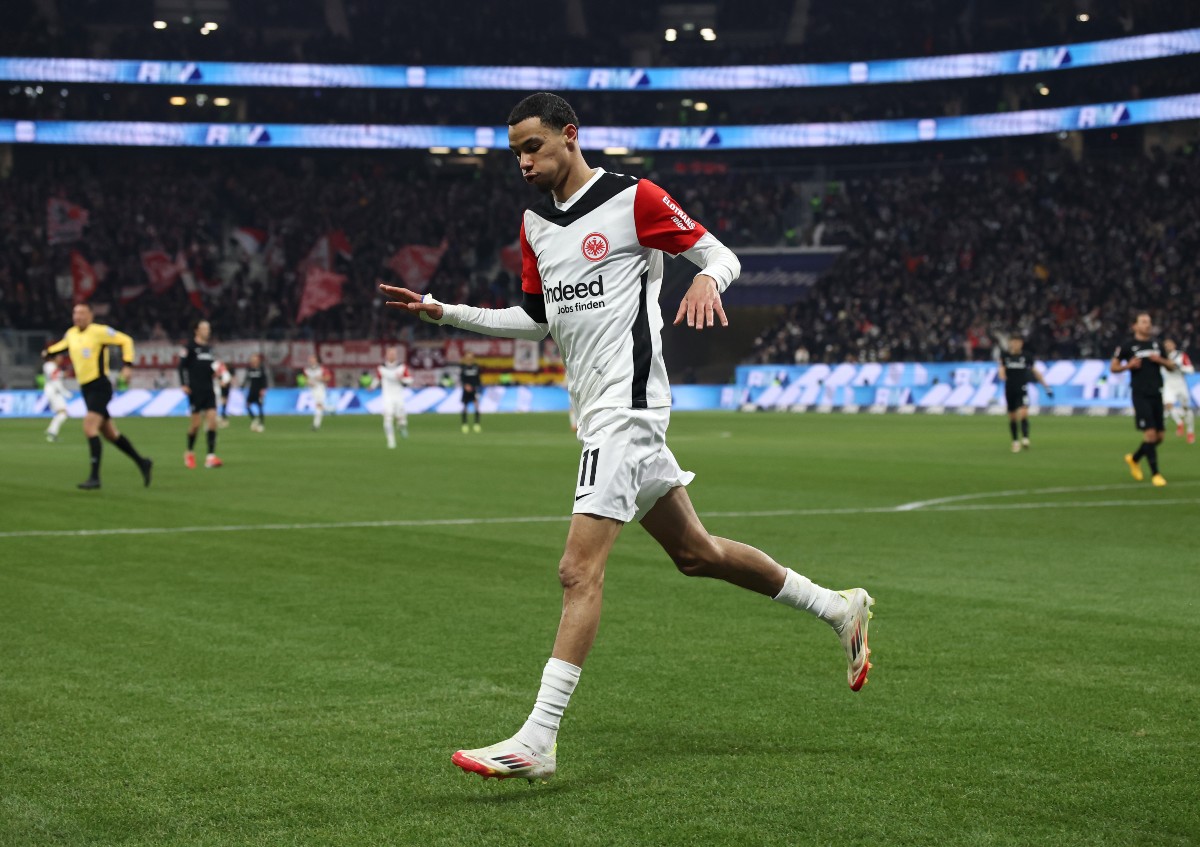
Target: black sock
{"points": [[191, 441], [1012, 427], [1025, 427], [125, 447], [464, 414], [476, 414], [1151, 451], [94, 448], [212, 440], [1141, 451]]}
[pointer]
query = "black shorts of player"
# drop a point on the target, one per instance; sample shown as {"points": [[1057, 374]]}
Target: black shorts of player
{"points": [[201, 401], [96, 395], [1148, 411], [468, 395], [1015, 398]]}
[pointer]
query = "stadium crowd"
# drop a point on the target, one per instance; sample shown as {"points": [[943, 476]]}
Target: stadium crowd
{"points": [[945, 264]]}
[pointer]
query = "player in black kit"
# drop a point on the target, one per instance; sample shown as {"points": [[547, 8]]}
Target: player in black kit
{"points": [[1016, 372], [196, 376], [1138, 355], [469, 377], [256, 392]]}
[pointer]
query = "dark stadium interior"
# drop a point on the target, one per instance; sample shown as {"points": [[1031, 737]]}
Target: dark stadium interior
{"points": [[950, 247]]}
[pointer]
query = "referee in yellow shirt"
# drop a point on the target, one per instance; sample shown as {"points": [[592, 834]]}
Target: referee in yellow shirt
{"points": [[87, 343]]}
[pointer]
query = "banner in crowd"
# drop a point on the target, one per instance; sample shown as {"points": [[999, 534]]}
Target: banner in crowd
{"points": [[322, 290], [416, 264], [172, 402], [1113, 115], [940, 386], [737, 77], [64, 221], [772, 276]]}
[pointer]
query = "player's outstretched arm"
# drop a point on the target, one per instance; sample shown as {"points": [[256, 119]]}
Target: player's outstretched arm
{"points": [[701, 304], [525, 321]]}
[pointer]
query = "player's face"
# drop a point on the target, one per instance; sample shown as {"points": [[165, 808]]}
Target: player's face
{"points": [[392, 353], [543, 154], [255, 359], [81, 316], [1169, 346], [312, 361], [1142, 325], [1015, 345], [203, 331]]}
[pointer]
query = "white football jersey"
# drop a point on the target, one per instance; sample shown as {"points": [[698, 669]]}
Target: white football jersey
{"points": [[597, 261], [316, 376], [54, 381], [393, 378], [1175, 380]]}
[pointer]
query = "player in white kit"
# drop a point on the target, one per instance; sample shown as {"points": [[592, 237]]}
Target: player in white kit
{"points": [[1176, 401], [318, 377], [56, 394], [592, 269], [393, 376]]}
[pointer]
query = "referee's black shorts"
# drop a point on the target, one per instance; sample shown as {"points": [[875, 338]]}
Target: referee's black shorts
{"points": [[1016, 398], [1148, 410], [98, 392], [201, 400]]}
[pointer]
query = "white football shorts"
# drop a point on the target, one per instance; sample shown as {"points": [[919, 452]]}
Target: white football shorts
{"points": [[1176, 396], [318, 395], [393, 407], [56, 402], [626, 465]]}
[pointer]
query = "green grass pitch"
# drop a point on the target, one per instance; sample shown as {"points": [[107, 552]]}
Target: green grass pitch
{"points": [[305, 682]]}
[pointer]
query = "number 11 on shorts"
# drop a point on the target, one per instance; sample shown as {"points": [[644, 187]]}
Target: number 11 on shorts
{"points": [[587, 476]]}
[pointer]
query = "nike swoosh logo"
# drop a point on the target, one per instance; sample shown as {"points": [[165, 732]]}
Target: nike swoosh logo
{"points": [[579, 497]]}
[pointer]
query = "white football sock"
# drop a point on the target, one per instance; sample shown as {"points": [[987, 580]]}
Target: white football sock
{"points": [[317, 415], [389, 431], [1177, 415], [1189, 418], [541, 729], [802, 593]]}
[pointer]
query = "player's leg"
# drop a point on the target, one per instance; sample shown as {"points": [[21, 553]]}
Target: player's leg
{"points": [[402, 418], [318, 408], [466, 399], [115, 437], [1172, 411], [530, 753], [674, 524], [389, 427], [1189, 418], [1024, 416], [60, 416], [210, 434], [91, 431], [189, 456], [478, 426], [1012, 429]]}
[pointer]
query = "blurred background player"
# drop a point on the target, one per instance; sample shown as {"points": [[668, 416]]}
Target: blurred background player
{"points": [[197, 370], [224, 384], [468, 377], [1138, 355], [87, 344], [256, 392], [56, 394], [1176, 400], [393, 376], [1016, 372], [318, 377]]}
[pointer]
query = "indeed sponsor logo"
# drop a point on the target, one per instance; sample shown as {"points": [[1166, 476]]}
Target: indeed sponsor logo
{"points": [[578, 291], [679, 217]]}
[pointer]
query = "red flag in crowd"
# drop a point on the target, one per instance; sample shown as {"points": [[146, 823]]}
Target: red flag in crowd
{"points": [[322, 290], [189, 283], [83, 277], [160, 269], [416, 264], [129, 293], [249, 239], [64, 221], [510, 258], [331, 244]]}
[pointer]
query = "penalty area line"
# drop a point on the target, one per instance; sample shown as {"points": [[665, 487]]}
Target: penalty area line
{"points": [[773, 513]]}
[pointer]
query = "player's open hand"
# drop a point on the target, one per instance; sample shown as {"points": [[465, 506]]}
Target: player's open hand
{"points": [[701, 304], [410, 301]]}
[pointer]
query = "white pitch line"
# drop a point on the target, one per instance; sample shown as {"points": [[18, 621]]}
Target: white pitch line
{"points": [[987, 495], [774, 513]]}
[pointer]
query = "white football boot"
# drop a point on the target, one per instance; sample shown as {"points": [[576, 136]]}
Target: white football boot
{"points": [[507, 760]]}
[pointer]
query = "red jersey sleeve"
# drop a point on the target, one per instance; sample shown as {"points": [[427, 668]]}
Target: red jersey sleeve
{"points": [[661, 223], [531, 280]]}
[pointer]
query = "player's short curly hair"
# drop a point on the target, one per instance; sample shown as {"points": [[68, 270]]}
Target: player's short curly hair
{"points": [[553, 111]]}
